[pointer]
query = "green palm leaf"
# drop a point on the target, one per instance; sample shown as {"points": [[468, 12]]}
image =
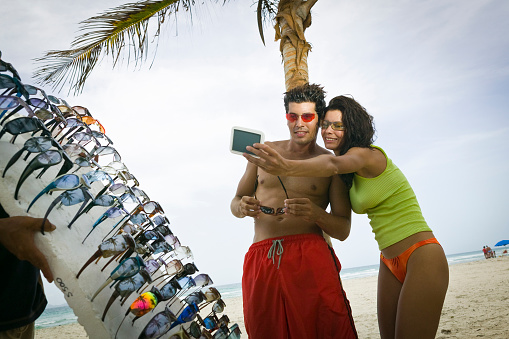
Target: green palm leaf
{"points": [[114, 31]]}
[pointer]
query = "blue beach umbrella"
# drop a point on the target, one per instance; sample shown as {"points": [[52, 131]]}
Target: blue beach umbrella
{"points": [[502, 243]]}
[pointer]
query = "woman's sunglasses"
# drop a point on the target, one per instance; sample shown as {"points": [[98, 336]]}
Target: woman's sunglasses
{"points": [[306, 117], [336, 126]]}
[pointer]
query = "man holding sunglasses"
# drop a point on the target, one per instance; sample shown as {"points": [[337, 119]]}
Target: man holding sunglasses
{"points": [[291, 285], [21, 286]]}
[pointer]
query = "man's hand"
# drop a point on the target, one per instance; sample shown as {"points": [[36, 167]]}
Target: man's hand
{"points": [[303, 208], [269, 159], [249, 207], [17, 236]]}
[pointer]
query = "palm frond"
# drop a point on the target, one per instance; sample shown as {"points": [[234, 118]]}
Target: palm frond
{"points": [[266, 10], [114, 32]]}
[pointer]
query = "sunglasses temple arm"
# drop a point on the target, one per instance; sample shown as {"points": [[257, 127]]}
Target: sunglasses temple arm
{"points": [[94, 256], [111, 260], [14, 111], [50, 208], [14, 158], [98, 221], [101, 288], [116, 333], [26, 173], [88, 197], [44, 191]]}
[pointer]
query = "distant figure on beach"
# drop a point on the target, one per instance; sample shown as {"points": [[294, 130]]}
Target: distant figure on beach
{"points": [[21, 286], [414, 275], [490, 253], [290, 285], [485, 251]]}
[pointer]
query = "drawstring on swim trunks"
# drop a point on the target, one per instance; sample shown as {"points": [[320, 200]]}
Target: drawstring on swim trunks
{"points": [[276, 249]]}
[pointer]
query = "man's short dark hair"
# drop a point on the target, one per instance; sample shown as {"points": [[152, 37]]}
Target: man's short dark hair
{"points": [[307, 93]]}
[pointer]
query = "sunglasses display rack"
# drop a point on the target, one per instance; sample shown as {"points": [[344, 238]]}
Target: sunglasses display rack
{"points": [[113, 253]]}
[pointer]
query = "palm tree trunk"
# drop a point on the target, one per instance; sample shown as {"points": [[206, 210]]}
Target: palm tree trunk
{"points": [[293, 17]]}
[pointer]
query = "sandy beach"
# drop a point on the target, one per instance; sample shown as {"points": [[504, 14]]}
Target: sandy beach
{"points": [[476, 306]]}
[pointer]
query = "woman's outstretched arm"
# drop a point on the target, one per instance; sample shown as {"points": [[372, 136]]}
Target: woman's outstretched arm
{"points": [[321, 166]]}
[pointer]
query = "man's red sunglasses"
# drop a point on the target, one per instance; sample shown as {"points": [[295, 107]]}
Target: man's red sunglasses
{"points": [[306, 117]]}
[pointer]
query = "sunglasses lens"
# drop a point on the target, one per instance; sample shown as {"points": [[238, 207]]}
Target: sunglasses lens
{"points": [[114, 212], [218, 306], [280, 210], [53, 99], [149, 207], [267, 210], [338, 126], [82, 162], [21, 125], [291, 117], [8, 102], [139, 219], [43, 114], [118, 189], [38, 144], [49, 158], [308, 117], [67, 181], [210, 323], [82, 136], [143, 304], [73, 197], [194, 330], [37, 103], [104, 200], [168, 291]]}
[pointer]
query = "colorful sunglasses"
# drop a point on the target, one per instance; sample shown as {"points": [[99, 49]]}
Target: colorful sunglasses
{"points": [[336, 126], [306, 117], [142, 305], [126, 287]]}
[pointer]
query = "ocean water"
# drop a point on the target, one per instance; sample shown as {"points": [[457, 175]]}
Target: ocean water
{"points": [[62, 315]]}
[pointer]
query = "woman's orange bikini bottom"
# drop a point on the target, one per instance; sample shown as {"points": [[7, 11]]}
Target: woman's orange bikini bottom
{"points": [[397, 265]]}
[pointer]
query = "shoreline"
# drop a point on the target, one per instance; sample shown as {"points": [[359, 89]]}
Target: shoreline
{"points": [[471, 308]]}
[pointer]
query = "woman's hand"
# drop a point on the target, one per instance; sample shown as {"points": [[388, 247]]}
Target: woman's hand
{"points": [[268, 159]]}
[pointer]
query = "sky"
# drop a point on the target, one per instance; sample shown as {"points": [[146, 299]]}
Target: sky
{"points": [[434, 74]]}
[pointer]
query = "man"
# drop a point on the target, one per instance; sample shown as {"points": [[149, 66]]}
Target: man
{"points": [[21, 287], [290, 285]]}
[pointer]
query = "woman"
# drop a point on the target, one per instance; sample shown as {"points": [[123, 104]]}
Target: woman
{"points": [[413, 275]]}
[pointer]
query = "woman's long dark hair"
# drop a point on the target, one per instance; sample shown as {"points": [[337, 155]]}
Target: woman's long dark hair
{"points": [[359, 127]]}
